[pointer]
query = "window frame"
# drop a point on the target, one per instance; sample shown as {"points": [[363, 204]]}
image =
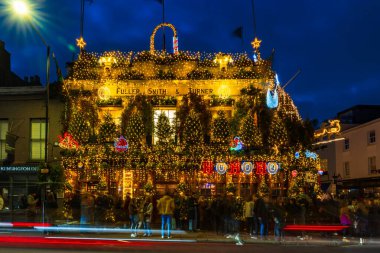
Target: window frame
{"points": [[346, 144], [40, 140], [372, 165], [172, 120], [371, 137], [3, 139], [346, 169]]}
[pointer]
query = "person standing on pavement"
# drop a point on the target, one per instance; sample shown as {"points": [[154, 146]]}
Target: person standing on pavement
{"points": [[133, 216], [165, 208], [261, 211], [148, 211], [249, 216]]}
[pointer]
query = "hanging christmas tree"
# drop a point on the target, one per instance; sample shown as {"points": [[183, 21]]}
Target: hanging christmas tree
{"points": [[79, 127], [295, 188], [278, 136], [250, 133], [193, 130], [107, 130], [220, 129], [135, 129], [263, 189], [163, 130]]}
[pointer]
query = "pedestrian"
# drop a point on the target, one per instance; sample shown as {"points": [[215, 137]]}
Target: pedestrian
{"points": [[133, 216], [1, 203], [248, 216], [345, 220], [165, 208], [278, 216], [126, 208], [261, 211], [32, 205], [148, 211]]}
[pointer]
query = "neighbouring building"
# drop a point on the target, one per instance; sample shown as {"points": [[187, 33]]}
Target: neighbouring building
{"points": [[352, 157]]}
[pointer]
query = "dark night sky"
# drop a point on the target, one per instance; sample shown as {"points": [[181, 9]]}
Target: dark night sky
{"points": [[334, 43]]}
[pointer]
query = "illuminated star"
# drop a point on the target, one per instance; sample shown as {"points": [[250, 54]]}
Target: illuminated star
{"points": [[256, 43], [81, 43]]}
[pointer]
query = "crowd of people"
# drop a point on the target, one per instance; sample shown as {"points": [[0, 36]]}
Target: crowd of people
{"points": [[258, 216], [224, 214]]}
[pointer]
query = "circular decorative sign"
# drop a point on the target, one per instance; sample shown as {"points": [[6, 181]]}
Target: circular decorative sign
{"points": [[294, 173], [221, 168], [247, 167], [104, 93], [297, 155], [272, 167]]}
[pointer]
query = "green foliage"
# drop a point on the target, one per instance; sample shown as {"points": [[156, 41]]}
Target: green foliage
{"points": [[131, 75], [110, 102], [220, 129], [278, 135], [194, 102], [141, 104], [79, 127], [164, 131], [107, 130], [165, 75], [249, 133], [193, 130], [263, 189], [200, 75], [135, 129]]}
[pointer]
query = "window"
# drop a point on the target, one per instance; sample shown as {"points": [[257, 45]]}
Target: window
{"points": [[346, 144], [371, 137], [3, 134], [372, 165], [170, 113], [346, 169], [37, 139]]}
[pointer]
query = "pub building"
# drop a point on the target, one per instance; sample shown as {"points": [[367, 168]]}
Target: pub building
{"points": [[111, 139]]}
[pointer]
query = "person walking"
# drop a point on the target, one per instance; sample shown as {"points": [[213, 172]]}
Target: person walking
{"points": [[165, 208]]}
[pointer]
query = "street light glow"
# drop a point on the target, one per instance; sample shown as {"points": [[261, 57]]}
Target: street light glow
{"points": [[20, 7]]}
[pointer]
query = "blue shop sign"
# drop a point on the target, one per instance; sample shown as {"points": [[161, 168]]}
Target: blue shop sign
{"points": [[19, 169]]}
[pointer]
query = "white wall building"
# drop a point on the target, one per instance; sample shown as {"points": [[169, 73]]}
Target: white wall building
{"points": [[354, 158]]}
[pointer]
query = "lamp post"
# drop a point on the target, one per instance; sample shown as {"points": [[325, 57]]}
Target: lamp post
{"points": [[23, 10]]}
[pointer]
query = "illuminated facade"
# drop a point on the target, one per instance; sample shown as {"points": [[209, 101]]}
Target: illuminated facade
{"points": [[134, 89]]}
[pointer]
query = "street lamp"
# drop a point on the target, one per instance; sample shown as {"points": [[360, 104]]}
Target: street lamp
{"points": [[23, 9]]}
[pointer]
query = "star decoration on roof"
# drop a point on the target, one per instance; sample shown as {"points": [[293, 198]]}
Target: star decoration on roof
{"points": [[256, 43], [81, 43]]}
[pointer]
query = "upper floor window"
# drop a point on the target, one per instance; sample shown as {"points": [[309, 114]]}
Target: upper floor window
{"points": [[3, 137], [37, 139], [371, 137], [170, 113], [372, 165], [346, 144], [346, 169]]}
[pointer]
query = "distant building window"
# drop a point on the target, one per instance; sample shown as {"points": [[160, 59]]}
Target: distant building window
{"points": [[372, 165], [371, 137], [37, 139], [346, 169], [3, 134], [346, 144]]}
